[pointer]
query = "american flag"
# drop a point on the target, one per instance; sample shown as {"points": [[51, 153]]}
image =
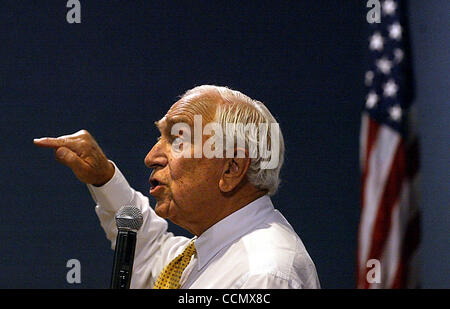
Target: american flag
{"points": [[389, 159]]}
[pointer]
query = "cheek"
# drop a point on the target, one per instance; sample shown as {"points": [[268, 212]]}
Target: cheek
{"points": [[181, 176], [192, 178], [179, 169]]}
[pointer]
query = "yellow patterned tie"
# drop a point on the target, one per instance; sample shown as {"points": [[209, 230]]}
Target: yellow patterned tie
{"points": [[170, 277]]}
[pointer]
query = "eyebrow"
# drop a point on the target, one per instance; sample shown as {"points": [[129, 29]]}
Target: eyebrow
{"points": [[170, 121]]}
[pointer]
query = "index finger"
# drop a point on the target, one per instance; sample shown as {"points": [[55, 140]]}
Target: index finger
{"points": [[51, 142]]}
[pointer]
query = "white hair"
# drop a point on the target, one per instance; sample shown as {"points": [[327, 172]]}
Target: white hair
{"points": [[239, 109]]}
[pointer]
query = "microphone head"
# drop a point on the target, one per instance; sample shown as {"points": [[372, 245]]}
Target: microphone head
{"points": [[129, 217]]}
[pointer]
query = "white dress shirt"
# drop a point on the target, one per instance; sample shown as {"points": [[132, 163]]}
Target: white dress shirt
{"points": [[254, 247]]}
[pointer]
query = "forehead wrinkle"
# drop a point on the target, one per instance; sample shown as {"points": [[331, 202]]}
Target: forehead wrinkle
{"points": [[197, 103]]}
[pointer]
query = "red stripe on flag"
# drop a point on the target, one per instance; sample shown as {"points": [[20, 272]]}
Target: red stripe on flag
{"points": [[391, 193], [372, 133]]}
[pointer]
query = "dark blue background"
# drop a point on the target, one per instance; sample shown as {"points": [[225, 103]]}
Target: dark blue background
{"points": [[121, 69]]}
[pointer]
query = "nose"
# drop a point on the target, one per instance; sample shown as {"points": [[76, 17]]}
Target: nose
{"points": [[156, 157]]}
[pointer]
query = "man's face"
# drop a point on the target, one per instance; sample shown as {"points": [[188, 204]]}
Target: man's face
{"points": [[185, 188]]}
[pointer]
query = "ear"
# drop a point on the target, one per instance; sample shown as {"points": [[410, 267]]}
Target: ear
{"points": [[234, 170]]}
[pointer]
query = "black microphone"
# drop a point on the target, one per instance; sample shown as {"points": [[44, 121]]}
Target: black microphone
{"points": [[129, 221]]}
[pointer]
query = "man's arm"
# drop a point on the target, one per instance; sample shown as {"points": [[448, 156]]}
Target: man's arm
{"points": [[155, 247]]}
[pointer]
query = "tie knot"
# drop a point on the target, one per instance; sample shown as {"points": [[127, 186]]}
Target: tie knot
{"points": [[190, 250]]}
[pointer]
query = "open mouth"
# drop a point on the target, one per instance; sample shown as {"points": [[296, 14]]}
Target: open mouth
{"points": [[154, 183], [155, 186]]}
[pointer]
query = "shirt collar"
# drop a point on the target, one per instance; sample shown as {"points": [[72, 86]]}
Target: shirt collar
{"points": [[232, 227]]}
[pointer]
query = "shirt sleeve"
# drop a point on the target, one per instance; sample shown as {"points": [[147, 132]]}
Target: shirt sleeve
{"points": [[155, 246]]}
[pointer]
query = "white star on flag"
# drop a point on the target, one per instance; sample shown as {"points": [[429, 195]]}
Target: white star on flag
{"points": [[395, 31], [395, 112], [384, 65], [389, 7], [390, 88], [398, 54], [376, 41], [372, 99]]}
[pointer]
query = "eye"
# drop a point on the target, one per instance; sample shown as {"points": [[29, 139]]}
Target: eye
{"points": [[177, 143]]}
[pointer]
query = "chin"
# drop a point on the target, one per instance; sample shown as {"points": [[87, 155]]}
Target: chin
{"points": [[162, 209]]}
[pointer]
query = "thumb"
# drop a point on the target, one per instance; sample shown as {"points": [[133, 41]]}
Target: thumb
{"points": [[69, 158]]}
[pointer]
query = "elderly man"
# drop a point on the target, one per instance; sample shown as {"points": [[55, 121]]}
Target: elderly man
{"points": [[240, 240]]}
